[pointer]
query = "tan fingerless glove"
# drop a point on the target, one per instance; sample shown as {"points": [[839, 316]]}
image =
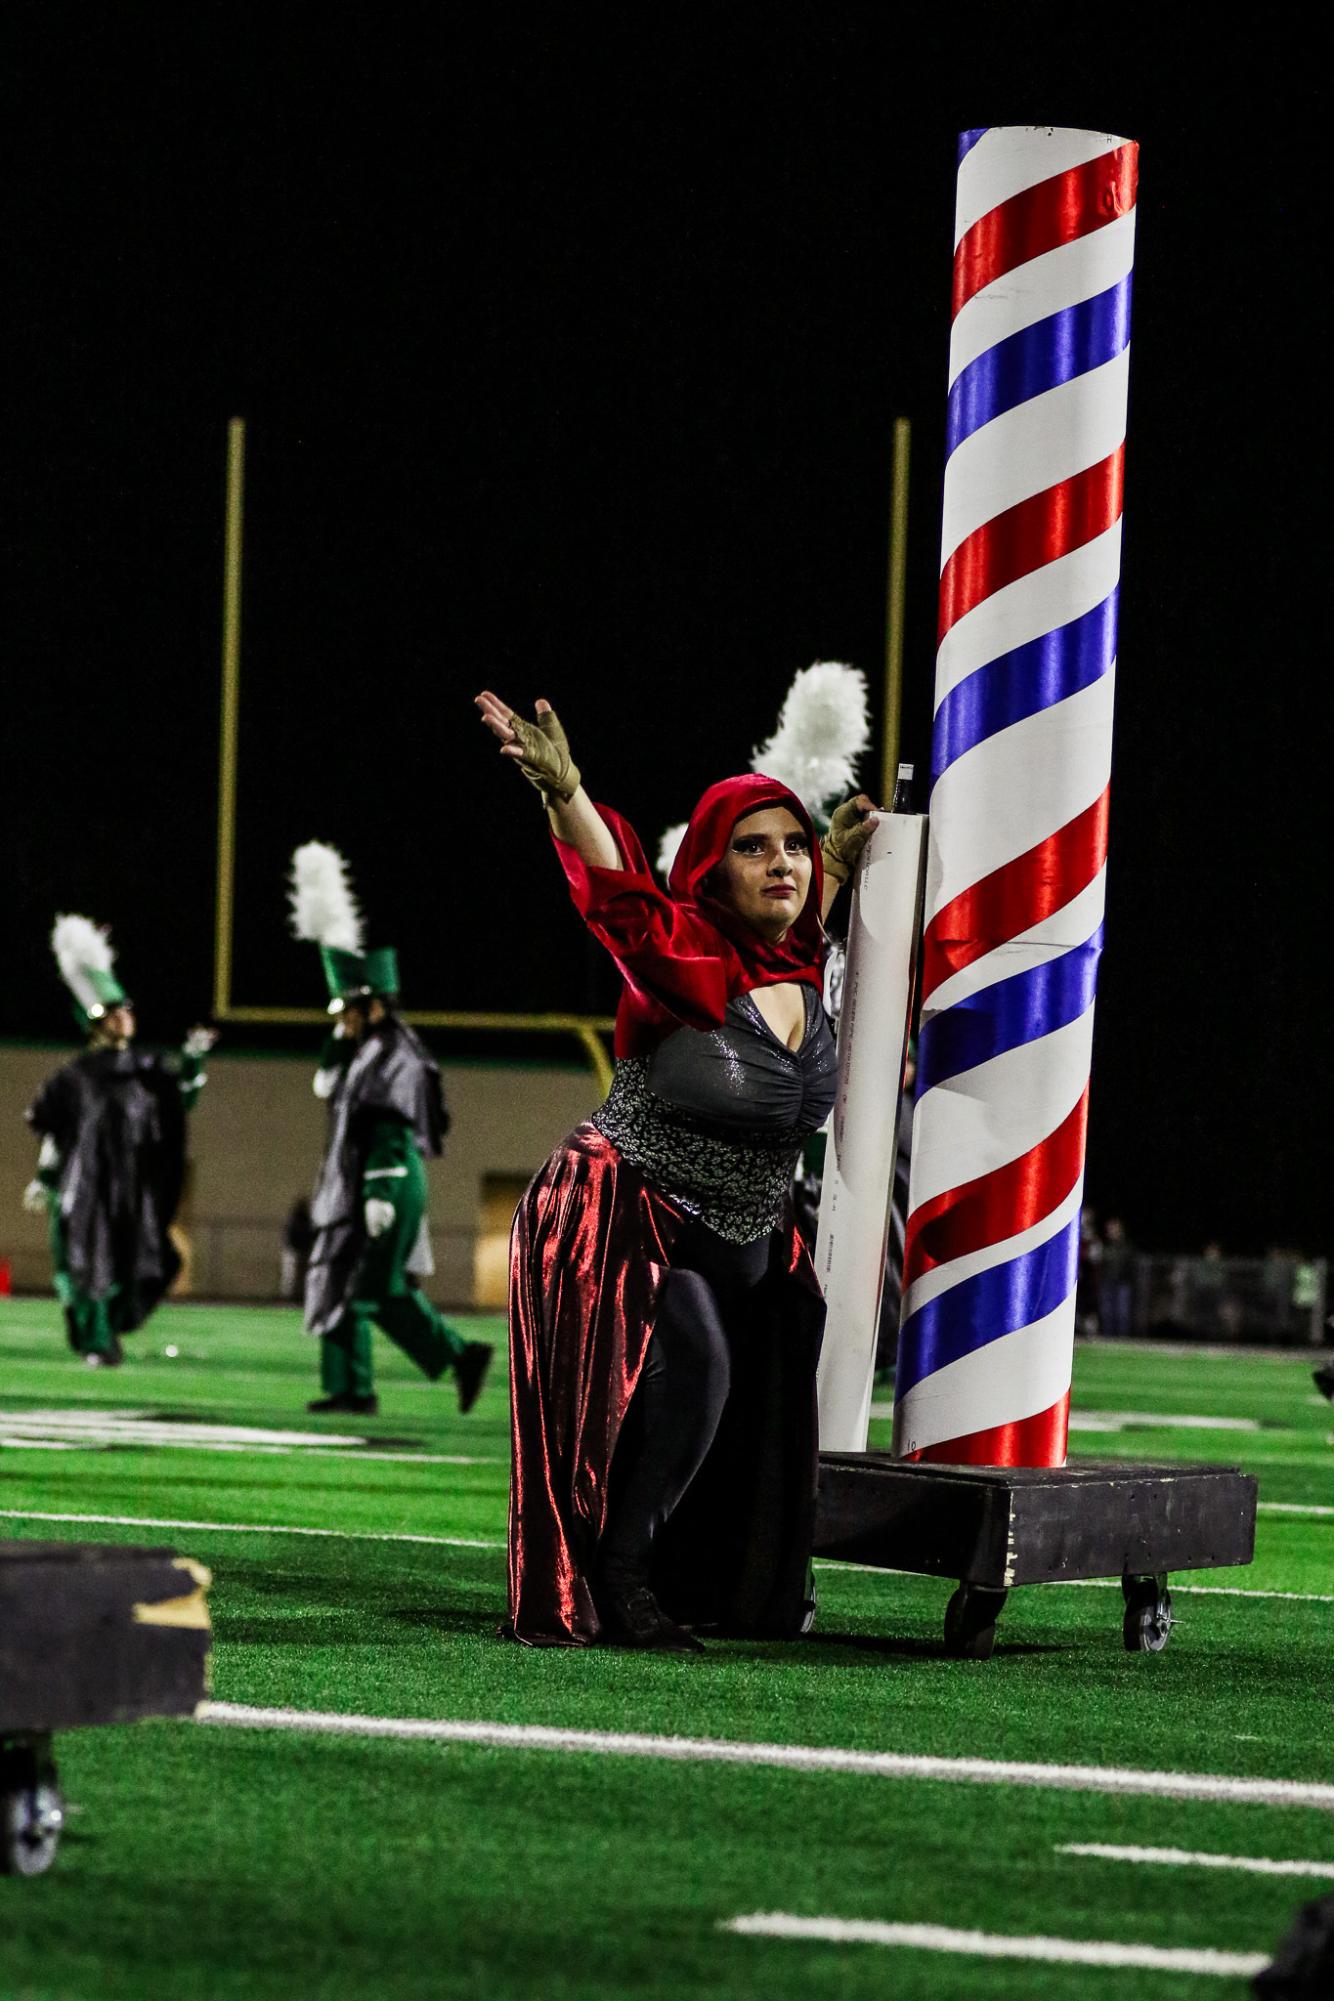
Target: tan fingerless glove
{"points": [[849, 831], [546, 761]]}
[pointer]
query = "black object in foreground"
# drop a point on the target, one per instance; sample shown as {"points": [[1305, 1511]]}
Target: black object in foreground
{"points": [[993, 1527], [1303, 1967], [89, 1633]]}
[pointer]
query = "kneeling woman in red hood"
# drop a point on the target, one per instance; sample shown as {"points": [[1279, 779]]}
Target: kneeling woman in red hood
{"points": [[665, 1319]]}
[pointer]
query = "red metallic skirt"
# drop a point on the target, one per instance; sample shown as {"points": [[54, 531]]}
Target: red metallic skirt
{"points": [[591, 1248]]}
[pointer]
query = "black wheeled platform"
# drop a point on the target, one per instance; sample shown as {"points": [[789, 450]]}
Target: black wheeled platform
{"points": [[993, 1527], [89, 1633]]}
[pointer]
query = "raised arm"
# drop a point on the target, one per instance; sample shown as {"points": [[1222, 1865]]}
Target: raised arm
{"points": [[193, 1074], [543, 756]]}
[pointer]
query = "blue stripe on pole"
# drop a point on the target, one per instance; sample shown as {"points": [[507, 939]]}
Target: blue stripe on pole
{"points": [[1028, 1005], [980, 1310], [1038, 358], [1023, 682], [969, 139]]}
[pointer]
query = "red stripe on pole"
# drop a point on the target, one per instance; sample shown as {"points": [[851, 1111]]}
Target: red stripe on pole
{"points": [[1015, 896], [1030, 534], [1031, 1441], [1000, 1204], [1042, 218]]}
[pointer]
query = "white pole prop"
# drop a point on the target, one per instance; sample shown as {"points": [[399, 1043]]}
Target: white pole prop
{"points": [[859, 1164]]}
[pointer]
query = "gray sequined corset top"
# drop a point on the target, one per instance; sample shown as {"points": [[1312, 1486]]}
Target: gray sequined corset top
{"points": [[715, 1118]]}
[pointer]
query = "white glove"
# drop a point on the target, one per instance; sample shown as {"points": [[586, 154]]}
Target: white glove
{"points": [[379, 1215], [199, 1041], [35, 1198]]}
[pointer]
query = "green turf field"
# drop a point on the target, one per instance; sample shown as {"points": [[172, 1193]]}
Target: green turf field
{"points": [[206, 1862]]}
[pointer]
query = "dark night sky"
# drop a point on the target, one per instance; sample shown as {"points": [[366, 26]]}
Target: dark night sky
{"points": [[570, 355]]}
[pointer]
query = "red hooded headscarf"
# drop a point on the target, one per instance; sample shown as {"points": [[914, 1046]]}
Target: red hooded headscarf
{"points": [[684, 956]]}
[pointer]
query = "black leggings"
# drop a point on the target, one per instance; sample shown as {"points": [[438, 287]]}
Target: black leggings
{"points": [[680, 1396]]}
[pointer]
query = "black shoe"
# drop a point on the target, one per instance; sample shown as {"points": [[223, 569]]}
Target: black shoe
{"points": [[634, 1618], [345, 1400], [1323, 1378], [470, 1372]]}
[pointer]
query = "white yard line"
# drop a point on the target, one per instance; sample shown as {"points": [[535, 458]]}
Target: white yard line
{"points": [[143, 1427], [1098, 1583], [1291, 1508], [41, 1445], [1000, 1945], [1189, 1858], [1117, 1420], [91, 1443], [789, 1757], [1135, 1420], [474, 1542], [409, 1458], [1209, 1590], [1190, 1351], [246, 1528]]}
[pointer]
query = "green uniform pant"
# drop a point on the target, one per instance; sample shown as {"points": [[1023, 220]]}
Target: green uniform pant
{"points": [[90, 1323], [387, 1297]]}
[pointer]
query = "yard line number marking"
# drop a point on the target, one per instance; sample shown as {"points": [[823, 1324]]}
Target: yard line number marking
{"points": [[35, 1429], [1000, 1945], [1189, 1858], [790, 1757]]}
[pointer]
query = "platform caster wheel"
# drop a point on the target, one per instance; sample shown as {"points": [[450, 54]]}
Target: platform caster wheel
{"points": [[970, 1622], [32, 1812], [1148, 1618]]}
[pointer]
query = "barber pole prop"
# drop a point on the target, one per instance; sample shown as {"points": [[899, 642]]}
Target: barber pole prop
{"points": [[1017, 847], [1030, 567], [863, 1138]]}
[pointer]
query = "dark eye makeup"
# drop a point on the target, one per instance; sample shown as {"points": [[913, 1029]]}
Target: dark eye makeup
{"points": [[753, 844]]}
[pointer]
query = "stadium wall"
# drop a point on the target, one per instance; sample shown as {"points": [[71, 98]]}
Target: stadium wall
{"points": [[255, 1141]]}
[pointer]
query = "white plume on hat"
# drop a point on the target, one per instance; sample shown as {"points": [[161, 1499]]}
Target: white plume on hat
{"points": [[823, 728], [82, 947], [822, 731], [324, 910], [669, 847]]}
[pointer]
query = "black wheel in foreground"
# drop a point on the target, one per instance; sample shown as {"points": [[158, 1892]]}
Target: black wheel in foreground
{"points": [[1148, 1617], [32, 1812], [970, 1622]]}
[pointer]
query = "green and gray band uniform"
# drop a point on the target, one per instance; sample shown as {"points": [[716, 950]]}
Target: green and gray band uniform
{"points": [[112, 1126], [387, 1114]]}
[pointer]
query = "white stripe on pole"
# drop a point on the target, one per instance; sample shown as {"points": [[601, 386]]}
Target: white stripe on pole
{"points": [[938, 1279], [1026, 609], [1000, 1110], [1030, 1369], [1066, 276], [1047, 939], [1007, 794], [1038, 444], [1000, 166]]}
